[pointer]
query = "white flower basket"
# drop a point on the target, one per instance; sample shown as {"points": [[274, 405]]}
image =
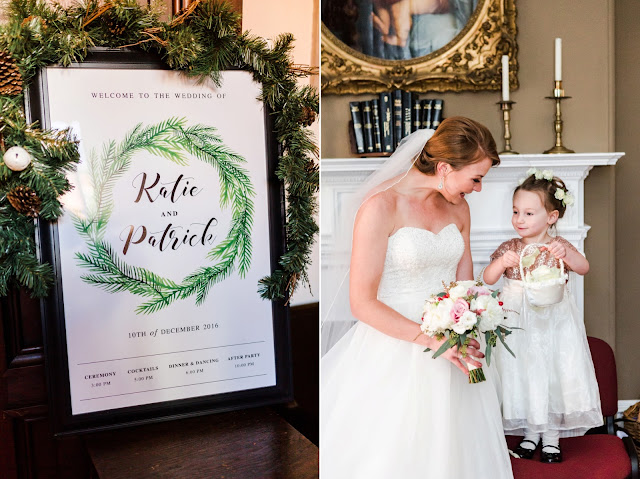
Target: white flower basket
{"points": [[543, 293]]}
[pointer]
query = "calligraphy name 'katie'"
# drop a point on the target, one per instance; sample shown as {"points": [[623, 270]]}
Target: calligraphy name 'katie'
{"points": [[172, 236]]}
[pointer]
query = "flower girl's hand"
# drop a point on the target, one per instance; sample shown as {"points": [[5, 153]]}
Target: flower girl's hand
{"points": [[510, 259], [455, 356], [557, 249]]}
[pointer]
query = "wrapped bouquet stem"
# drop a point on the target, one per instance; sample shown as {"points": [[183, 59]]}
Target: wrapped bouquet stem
{"points": [[465, 310]]}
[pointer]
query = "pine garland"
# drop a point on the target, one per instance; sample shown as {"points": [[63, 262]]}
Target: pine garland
{"points": [[201, 42]]}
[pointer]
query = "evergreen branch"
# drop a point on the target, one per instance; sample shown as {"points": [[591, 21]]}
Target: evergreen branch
{"points": [[203, 41]]}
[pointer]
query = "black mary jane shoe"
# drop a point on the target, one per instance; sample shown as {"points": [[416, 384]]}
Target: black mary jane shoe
{"points": [[524, 452], [550, 456]]}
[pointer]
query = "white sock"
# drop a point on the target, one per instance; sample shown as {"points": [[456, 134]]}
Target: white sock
{"points": [[551, 438], [531, 436]]}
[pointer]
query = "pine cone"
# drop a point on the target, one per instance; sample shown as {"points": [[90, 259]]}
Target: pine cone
{"points": [[10, 78], [25, 201], [113, 25], [307, 117]]}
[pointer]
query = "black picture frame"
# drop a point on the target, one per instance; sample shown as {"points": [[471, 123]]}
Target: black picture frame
{"points": [[52, 308]]}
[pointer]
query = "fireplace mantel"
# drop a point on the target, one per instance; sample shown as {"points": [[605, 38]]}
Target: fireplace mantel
{"points": [[490, 209]]}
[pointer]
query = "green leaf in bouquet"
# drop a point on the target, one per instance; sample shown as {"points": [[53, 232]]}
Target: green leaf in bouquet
{"points": [[487, 354], [448, 344], [495, 294], [507, 330], [426, 350], [501, 338]]}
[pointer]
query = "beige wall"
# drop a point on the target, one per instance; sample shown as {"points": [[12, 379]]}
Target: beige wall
{"points": [[587, 34], [627, 285], [268, 20]]}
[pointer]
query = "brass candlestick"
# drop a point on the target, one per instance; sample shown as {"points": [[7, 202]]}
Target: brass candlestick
{"points": [[558, 96], [505, 106]]}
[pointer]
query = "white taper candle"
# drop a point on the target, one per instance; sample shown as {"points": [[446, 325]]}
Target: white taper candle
{"points": [[505, 78], [558, 75]]}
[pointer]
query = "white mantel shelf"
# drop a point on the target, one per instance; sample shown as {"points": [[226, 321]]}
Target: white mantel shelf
{"points": [[490, 209], [508, 161]]}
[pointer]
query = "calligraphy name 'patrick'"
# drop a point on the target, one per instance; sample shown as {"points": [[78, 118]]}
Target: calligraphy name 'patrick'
{"points": [[172, 236]]}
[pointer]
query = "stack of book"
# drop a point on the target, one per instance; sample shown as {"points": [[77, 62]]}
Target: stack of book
{"points": [[380, 123]]}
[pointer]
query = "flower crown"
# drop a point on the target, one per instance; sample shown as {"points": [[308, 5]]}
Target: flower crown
{"points": [[564, 196]]}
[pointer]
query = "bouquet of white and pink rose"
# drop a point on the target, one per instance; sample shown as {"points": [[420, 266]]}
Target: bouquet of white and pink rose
{"points": [[464, 310]]}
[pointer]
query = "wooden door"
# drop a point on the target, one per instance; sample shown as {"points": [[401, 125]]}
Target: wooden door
{"points": [[27, 447]]}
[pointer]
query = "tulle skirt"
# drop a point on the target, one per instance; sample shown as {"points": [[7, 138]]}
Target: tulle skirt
{"points": [[551, 383], [391, 411]]}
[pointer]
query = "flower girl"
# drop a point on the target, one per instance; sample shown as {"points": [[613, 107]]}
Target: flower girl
{"points": [[549, 389]]}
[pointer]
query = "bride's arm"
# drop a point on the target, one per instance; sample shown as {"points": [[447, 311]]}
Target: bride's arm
{"points": [[373, 225], [465, 266]]}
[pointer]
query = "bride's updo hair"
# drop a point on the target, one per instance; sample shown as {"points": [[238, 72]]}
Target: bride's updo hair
{"points": [[460, 142]]}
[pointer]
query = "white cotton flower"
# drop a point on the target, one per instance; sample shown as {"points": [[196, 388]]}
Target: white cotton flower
{"points": [[466, 322], [547, 174], [568, 199], [531, 171], [559, 194]]}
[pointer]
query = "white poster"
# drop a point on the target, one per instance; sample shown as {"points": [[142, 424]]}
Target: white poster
{"points": [[164, 237]]}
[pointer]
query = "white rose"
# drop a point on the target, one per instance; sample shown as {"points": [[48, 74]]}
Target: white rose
{"points": [[531, 171], [538, 174], [481, 302], [529, 259], [460, 290], [436, 317], [568, 199], [491, 317], [444, 312], [466, 322], [543, 273], [547, 174], [521, 180], [559, 194], [429, 319]]}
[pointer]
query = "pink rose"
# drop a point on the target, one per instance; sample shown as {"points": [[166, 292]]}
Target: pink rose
{"points": [[479, 290], [458, 309]]}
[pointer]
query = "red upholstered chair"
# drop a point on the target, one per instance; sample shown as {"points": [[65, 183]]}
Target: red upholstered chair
{"points": [[601, 455]]}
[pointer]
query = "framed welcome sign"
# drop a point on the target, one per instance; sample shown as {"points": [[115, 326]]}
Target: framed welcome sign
{"points": [[174, 216]]}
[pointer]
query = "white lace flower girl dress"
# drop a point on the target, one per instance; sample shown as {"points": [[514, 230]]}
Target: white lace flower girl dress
{"points": [[551, 383]]}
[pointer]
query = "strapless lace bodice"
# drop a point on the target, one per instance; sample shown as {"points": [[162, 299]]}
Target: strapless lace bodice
{"points": [[417, 263]]}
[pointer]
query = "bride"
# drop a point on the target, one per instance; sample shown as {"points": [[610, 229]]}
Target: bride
{"points": [[388, 409]]}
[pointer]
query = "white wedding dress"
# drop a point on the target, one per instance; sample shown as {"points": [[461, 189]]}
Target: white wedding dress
{"points": [[390, 411]]}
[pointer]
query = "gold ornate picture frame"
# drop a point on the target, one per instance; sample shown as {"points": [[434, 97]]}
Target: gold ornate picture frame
{"points": [[470, 61]]}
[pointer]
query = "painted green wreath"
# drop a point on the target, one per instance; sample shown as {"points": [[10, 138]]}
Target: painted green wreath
{"points": [[168, 139]]}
